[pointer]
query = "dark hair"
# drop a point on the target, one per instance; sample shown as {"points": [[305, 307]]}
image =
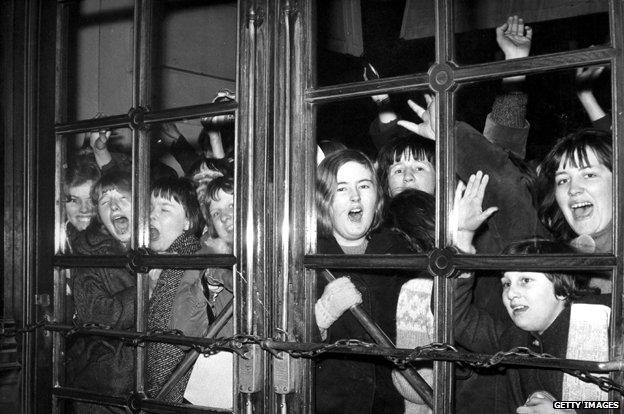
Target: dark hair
{"points": [[571, 149], [116, 179], [226, 184], [181, 191], [419, 148], [326, 185], [571, 285], [329, 146], [412, 214], [80, 173]]}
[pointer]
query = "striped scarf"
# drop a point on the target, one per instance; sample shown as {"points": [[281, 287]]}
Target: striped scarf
{"points": [[162, 358]]}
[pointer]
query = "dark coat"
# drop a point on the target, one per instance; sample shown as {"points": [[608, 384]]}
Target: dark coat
{"points": [[104, 296], [515, 219], [478, 331], [507, 189], [359, 384]]}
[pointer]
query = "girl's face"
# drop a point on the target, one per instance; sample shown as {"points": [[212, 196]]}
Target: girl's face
{"points": [[530, 300], [79, 206], [353, 207], [222, 216], [115, 211], [168, 221], [584, 194], [411, 173]]}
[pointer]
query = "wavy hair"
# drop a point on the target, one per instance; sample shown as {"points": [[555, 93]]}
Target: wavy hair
{"points": [[326, 184]]}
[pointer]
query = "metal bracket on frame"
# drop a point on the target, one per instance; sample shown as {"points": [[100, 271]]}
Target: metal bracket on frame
{"points": [[256, 15], [285, 369], [250, 370]]}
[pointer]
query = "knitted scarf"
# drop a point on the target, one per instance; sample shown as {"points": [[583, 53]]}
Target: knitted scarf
{"points": [[588, 339], [162, 359], [415, 327]]}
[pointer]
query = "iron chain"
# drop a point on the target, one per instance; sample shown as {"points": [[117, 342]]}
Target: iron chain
{"points": [[239, 344], [12, 332]]}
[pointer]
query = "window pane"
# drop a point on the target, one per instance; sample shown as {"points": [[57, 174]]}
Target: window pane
{"points": [[96, 192], [524, 122], [194, 52], [350, 220], [352, 34], [558, 324], [557, 26], [202, 307], [192, 186], [99, 58]]}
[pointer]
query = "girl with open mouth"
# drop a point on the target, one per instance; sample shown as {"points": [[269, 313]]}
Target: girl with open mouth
{"points": [[349, 206], [105, 296], [575, 186], [576, 191], [177, 298]]}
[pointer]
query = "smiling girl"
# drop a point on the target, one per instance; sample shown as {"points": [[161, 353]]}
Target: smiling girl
{"points": [[552, 312], [575, 188]]}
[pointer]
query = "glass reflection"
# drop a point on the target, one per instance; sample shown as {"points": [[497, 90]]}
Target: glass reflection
{"points": [[191, 69], [100, 59], [352, 35]]}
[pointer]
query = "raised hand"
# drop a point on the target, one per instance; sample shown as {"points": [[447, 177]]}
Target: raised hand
{"points": [[98, 139], [468, 215], [514, 38], [426, 129], [585, 77]]}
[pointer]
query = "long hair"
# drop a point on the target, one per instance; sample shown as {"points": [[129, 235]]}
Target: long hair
{"points": [[419, 148], [572, 149], [182, 192], [326, 184], [571, 285]]}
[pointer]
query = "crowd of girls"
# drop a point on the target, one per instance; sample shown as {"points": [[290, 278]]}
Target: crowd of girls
{"points": [[191, 213], [501, 206], [364, 206]]}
